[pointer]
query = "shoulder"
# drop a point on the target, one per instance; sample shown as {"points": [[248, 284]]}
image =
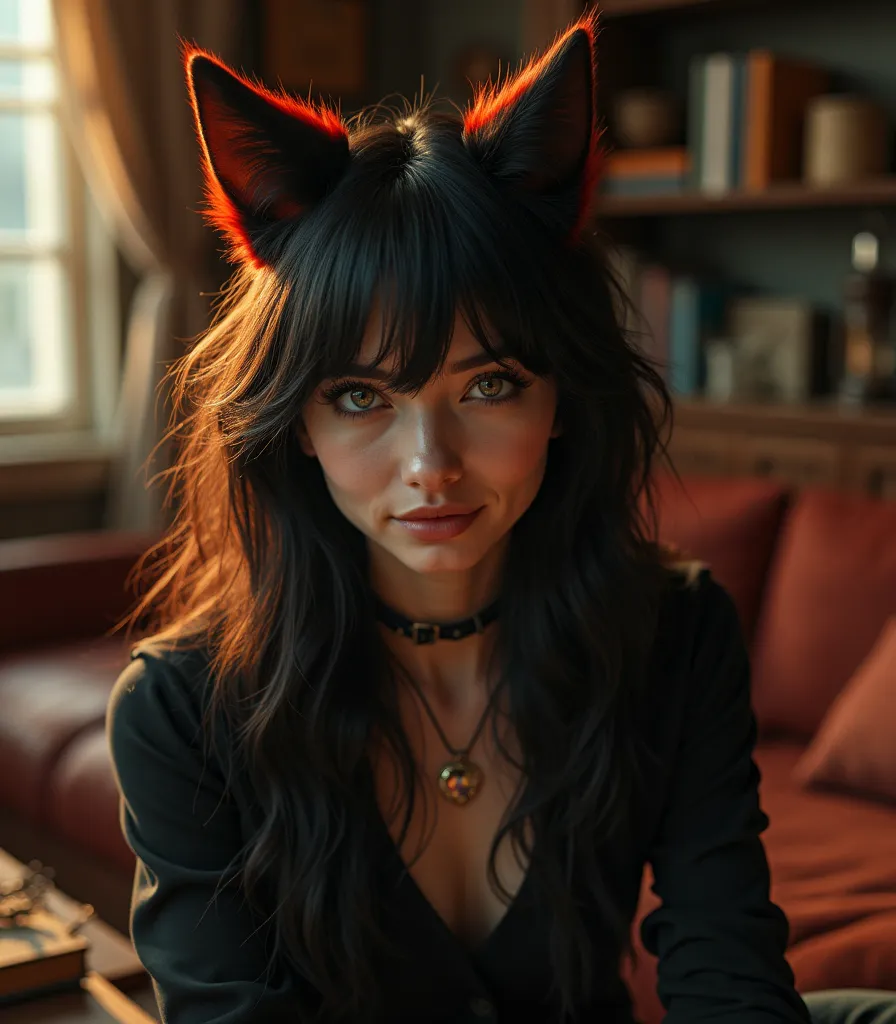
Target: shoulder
{"points": [[159, 698], [698, 618]]}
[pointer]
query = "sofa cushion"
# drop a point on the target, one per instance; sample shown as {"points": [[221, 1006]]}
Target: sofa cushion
{"points": [[48, 699], [82, 799], [854, 750], [833, 861], [832, 586], [730, 524], [833, 871], [58, 589]]}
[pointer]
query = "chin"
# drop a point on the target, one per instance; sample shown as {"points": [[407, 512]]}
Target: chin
{"points": [[435, 558]]}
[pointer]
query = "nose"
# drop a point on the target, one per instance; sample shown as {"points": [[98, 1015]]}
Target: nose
{"points": [[433, 460]]}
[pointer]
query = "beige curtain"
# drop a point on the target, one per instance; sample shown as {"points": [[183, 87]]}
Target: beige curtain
{"points": [[127, 103]]}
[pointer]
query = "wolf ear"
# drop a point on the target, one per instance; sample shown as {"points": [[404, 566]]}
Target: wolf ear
{"points": [[267, 157], [536, 134]]}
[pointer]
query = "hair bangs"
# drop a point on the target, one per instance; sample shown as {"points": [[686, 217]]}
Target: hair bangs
{"points": [[404, 258]]}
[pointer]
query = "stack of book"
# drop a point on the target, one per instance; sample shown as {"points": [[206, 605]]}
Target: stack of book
{"points": [[745, 128], [676, 314], [746, 115], [647, 172]]}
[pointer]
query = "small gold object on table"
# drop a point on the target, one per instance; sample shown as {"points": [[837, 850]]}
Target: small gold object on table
{"points": [[39, 951]]}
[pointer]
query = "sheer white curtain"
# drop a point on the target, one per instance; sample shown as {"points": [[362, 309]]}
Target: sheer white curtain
{"points": [[126, 100]]}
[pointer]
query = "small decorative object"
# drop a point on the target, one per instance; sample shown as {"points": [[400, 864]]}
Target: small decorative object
{"points": [[646, 118], [869, 349], [39, 951], [780, 349], [846, 140], [459, 781], [721, 370], [25, 893]]}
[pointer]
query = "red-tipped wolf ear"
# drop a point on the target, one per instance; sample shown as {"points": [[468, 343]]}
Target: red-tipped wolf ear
{"points": [[267, 157], [536, 133]]}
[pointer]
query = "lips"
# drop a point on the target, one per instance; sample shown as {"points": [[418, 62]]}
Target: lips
{"points": [[437, 512], [441, 523]]}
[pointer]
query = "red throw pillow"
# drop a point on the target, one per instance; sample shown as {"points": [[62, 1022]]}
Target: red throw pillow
{"points": [[854, 748]]}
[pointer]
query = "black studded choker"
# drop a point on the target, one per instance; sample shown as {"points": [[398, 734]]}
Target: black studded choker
{"points": [[429, 632]]}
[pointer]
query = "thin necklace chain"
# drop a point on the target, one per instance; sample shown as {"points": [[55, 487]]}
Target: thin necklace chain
{"points": [[462, 752]]}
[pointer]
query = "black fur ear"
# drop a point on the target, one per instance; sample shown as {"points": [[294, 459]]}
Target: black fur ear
{"points": [[536, 133], [267, 157]]}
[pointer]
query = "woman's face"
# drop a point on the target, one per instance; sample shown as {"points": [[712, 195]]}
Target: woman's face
{"points": [[475, 438]]}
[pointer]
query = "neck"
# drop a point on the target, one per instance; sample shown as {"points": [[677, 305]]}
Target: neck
{"points": [[438, 596], [452, 673]]}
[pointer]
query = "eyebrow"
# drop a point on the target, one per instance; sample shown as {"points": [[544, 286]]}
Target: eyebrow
{"points": [[461, 366]]}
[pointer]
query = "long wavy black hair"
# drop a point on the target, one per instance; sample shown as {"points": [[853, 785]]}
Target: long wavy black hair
{"points": [[486, 212]]}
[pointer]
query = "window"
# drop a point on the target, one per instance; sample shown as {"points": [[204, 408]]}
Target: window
{"points": [[49, 300]]}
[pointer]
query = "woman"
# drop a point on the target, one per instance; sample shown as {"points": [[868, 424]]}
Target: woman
{"points": [[421, 696]]}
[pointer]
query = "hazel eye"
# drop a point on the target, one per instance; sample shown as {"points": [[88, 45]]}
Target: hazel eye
{"points": [[490, 387], [361, 398]]}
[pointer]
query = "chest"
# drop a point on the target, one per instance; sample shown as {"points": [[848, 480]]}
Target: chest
{"points": [[447, 846]]}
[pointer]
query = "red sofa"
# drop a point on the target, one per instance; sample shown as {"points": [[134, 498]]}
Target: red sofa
{"points": [[813, 576]]}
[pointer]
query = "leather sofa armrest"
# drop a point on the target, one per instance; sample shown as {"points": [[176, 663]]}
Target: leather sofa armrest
{"points": [[66, 587]]}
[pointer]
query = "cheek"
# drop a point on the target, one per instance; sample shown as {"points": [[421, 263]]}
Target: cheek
{"points": [[354, 472], [515, 452]]}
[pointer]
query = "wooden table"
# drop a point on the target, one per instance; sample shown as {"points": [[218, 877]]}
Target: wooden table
{"points": [[72, 1008], [110, 954]]}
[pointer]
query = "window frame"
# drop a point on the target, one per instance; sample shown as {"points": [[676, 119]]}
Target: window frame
{"points": [[68, 451]]}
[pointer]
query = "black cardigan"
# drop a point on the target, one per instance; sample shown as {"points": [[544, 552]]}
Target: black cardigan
{"points": [[719, 939]]}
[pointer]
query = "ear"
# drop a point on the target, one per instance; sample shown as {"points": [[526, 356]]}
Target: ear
{"points": [[304, 440], [267, 158], [557, 428], [536, 134]]}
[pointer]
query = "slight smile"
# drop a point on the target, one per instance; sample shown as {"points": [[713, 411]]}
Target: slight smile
{"points": [[438, 522]]}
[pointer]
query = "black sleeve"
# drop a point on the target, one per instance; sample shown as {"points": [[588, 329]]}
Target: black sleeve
{"points": [[719, 938], [195, 936]]}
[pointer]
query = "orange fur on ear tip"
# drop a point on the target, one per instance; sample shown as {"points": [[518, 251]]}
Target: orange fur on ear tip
{"points": [[491, 99], [220, 210]]}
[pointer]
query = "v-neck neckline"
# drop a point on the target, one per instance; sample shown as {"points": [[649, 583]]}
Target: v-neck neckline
{"points": [[481, 947]]}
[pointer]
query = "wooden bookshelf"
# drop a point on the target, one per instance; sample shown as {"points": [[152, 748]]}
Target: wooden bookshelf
{"points": [[625, 8], [859, 424], [817, 445], [649, 43], [873, 192]]}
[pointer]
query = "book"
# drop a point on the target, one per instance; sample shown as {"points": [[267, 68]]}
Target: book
{"points": [[781, 348], [38, 954], [646, 185], [667, 161], [778, 91], [716, 171], [696, 310], [654, 302], [626, 269], [738, 120], [694, 122]]}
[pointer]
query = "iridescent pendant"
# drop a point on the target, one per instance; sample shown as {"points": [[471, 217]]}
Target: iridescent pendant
{"points": [[460, 780]]}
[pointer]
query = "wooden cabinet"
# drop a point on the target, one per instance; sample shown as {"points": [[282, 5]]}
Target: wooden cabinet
{"points": [[811, 446], [873, 470], [803, 463]]}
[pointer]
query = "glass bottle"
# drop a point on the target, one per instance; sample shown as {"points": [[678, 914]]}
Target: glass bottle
{"points": [[869, 353]]}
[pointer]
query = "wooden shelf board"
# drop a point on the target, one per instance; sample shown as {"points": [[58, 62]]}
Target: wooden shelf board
{"points": [[623, 8], [796, 196], [877, 423]]}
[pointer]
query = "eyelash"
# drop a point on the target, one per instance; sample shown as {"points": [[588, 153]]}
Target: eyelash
{"points": [[337, 389]]}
